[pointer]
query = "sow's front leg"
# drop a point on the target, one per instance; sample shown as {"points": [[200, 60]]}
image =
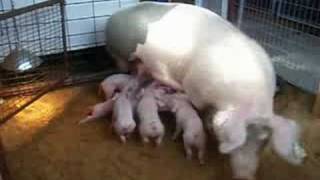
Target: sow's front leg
{"points": [[160, 75], [165, 79]]}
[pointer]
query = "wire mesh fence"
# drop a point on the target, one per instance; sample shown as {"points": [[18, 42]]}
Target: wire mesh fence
{"points": [[86, 20], [35, 36], [289, 30], [85, 23], [32, 54]]}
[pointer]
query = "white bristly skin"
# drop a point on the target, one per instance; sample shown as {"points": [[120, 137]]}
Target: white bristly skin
{"points": [[112, 83], [193, 49], [150, 124], [218, 67], [188, 122], [124, 107], [123, 122]]}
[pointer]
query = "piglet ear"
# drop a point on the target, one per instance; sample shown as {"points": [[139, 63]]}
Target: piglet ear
{"points": [[285, 140], [115, 96], [234, 135]]}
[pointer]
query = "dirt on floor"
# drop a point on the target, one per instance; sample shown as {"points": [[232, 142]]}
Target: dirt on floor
{"points": [[44, 142]]}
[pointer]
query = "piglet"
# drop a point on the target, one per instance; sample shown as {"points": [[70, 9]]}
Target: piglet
{"points": [[123, 122], [113, 83], [188, 121], [98, 111], [150, 124]]}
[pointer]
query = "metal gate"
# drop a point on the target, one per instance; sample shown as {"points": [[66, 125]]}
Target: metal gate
{"points": [[289, 30], [32, 54]]}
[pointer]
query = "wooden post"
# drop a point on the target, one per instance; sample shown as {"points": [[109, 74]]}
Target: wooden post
{"points": [[316, 105]]}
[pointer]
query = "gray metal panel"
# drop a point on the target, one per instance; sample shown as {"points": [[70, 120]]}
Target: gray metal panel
{"points": [[303, 72], [213, 5], [290, 31]]}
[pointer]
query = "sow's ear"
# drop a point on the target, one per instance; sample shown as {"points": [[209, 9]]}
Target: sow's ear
{"points": [[285, 139]]}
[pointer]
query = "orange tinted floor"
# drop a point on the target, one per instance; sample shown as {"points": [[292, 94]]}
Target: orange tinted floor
{"points": [[44, 142]]}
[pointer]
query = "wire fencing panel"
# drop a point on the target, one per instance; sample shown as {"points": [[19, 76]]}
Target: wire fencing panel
{"points": [[85, 19], [35, 33], [290, 32], [32, 54]]}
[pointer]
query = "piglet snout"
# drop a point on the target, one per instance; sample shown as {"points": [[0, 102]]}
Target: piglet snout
{"points": [[89, 112]]}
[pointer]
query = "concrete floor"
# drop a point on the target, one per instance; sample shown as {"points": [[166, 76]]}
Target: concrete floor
{"points": [[44, 142]]}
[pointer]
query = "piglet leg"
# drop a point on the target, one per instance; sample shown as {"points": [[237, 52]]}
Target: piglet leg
{"points": [[85, 120], [89, 116], [177, 132], [201, 156], [159, 140], [188, 150], [123, 139], [145, 140]]}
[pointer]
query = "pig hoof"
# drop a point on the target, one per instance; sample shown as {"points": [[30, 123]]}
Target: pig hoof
{"points": [[189, 157], [158, 142], [145, 140], [201, 160], [123, 139], [174, 138]]}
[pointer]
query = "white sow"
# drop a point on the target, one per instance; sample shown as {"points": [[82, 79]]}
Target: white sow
{"points": [[193, 49]]}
